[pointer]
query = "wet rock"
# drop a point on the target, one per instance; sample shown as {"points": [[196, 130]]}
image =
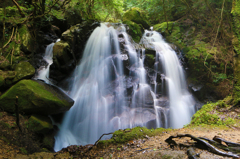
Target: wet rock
{"points": [[35, 97], [149, 60], [143, 97]]}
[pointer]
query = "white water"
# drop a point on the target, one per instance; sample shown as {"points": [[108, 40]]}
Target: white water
{"points": [[181, 101], [43, 72], [99, 89]]}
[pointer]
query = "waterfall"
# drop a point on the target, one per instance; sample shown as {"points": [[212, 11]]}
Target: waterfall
{"points": [[111, 88], [43, 72], [181, 101], [91, 89]]}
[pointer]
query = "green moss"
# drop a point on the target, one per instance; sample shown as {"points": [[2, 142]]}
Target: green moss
{"points": [[123, 136], [24, 70], [61, 54], [209, 114], [135, 30], [39, 124], [137, 16], [33, 98]]}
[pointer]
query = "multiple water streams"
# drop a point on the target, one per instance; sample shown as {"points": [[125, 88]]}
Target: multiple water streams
{"points": [[113, 89]]}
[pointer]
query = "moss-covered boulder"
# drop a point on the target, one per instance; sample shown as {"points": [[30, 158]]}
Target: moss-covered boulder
{"points": [[136, 21], [40, 124], [35, 97], [24, 70], [137, 16], [27, 44], [6, 79], [61, 53], [135, 31]]}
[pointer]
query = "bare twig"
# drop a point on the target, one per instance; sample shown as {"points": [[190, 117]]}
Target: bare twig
{"points": [[101, 137], [9, 39], [17, 114], [19, 9]]}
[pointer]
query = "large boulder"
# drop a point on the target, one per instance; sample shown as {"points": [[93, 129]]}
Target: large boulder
{"points": [[35, 97]]}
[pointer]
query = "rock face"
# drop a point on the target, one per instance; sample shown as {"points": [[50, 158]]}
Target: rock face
{"points": [[35, 97], [68, 51]]}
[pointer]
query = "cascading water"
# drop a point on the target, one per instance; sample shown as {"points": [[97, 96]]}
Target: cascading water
{"points": [[89, 117], [181, 101], [43, 72], [107, 98]]}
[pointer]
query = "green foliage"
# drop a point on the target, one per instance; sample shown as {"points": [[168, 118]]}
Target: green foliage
{"points": [[218, 77]]}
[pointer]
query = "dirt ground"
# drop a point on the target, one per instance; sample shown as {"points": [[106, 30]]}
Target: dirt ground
{"points": [[148, 147]]}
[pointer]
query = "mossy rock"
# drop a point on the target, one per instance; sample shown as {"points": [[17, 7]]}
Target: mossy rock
{"points": [[137, 16], [24, 70], [40, 124], [35, 97], [4, 63], [134, 31], [27, 43], [6, 79], [61, 53]]}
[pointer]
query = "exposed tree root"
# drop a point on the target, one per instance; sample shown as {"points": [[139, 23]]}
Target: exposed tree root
{"points": [[211, 145]]}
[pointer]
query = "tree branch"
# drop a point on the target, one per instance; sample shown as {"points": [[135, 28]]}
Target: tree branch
{"points": [[19, 9]]}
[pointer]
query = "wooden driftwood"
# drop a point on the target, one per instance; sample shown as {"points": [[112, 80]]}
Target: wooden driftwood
{"points": [[203, 143]]}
